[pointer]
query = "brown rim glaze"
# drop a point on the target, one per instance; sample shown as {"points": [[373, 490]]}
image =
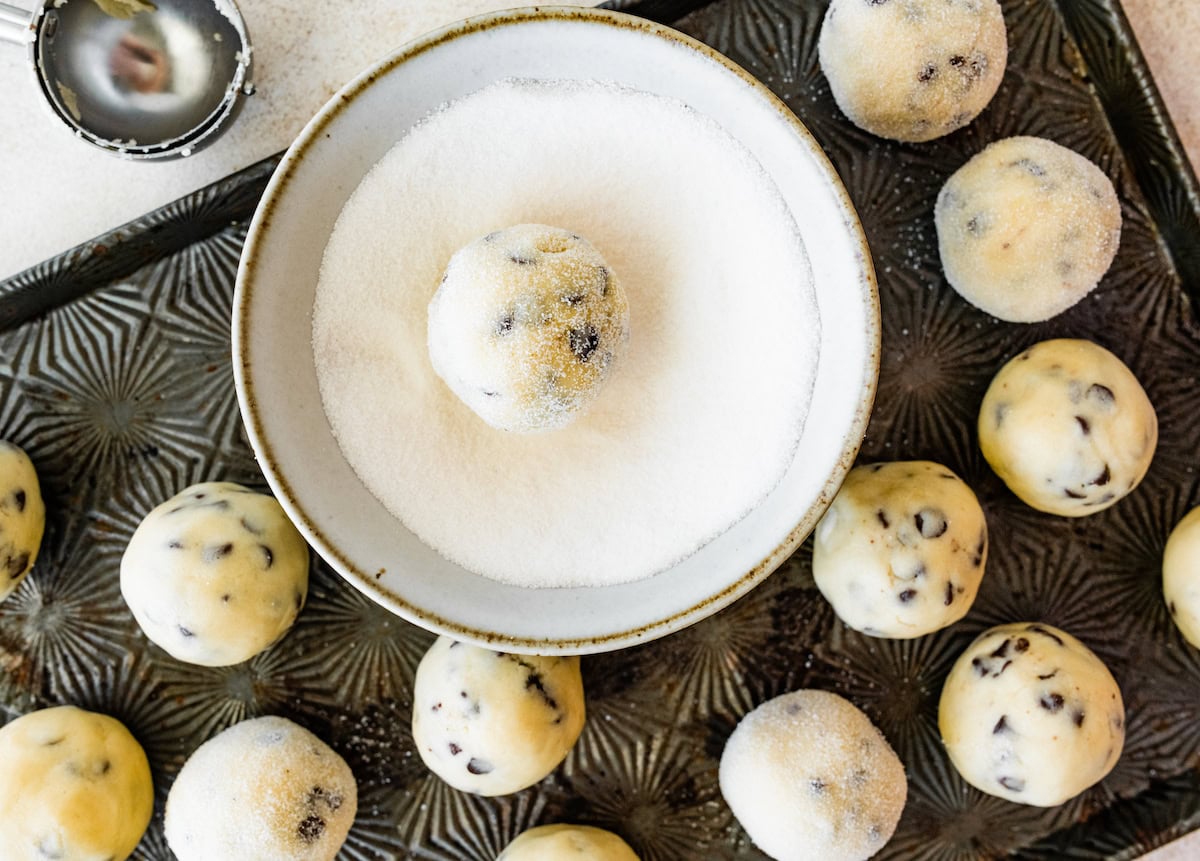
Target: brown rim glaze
{"points": [[367, 581]]}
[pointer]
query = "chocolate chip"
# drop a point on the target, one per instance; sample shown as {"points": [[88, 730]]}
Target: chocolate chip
{"points": [[1051, 702], [522, 260], [949, 593], [1084, 425], [978, 664], [488, 394], [958, 60], [213, 553], [1077, 716], [533, 682], [19, 499], [1102, 394], [1171, 607], [1030, 165], [907, 595], [1001, 725], [480, 766], [1001, 412], [225, 598], [931, 523], [928, 73], [1021, 645], [1012, 784], [174, 545], [299, 601], [1103, 478], [584, 342], [1038, 629], [105, 767], [311, 828], [1074, 494], [883, 519], [15, 565], [1047, 676], [572, 299], [187, 633], [455, 750], [54, 741], [606, 279], [436, 707], [267, 554], [505, 324], [817, 785], [1001, 650]]}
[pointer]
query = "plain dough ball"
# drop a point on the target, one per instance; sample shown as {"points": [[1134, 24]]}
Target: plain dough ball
{"points": [[1027, 228], [1030, 714], [809, 776], [901, 550], [1068, 427], [567, 843], [526, 326], [22, 517], [215, 574], [490, 722], [74, 786], [913, 70], [1181, 576], [262, 790]]}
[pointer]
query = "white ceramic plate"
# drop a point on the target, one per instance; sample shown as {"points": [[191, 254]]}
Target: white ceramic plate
{"points": [[277, 280]]}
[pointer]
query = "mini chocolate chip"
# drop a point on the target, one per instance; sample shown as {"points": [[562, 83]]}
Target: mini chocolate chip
{"points": [[267, 554], [1103, 394], [298, 599], [105, 767], [505, 324], [480, 766], [436, 707], [15, 565], [1030, 165], [949, 593], [1047, 676], [1001, 650], [455, 750], [185, 631], [972, 225], [572, 299], [1172, 608], [311, 828], [213, 553], [931, 523], [1001, 412], [488, 394], [1021, 645], [957, 60], [1084, 425], [54, 741], [1103, 478], [1051, 702], [174, 545], [907, 595], [977, 663], [1038, 629], [522, 260], [928, 73], [1077, 716], [225, 598], [19, 499], [883, 519], [1001, 725], [1074, 494], [584, 342], [817, 785], [1012, 784]]}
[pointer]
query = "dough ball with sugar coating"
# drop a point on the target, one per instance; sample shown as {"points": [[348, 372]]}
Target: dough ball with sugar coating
{"points": [[526, 326], [1027, 228], [1068, 427], [809, 776], [1181, 576], [1030, 714], [215, 574], [913, 70], [567, 843], [262, 790], [74, 785], [22, 517], [901, 550], [490, 722]]}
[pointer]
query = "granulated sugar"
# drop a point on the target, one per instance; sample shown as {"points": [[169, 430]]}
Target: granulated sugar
{"points": [[696, 425]]}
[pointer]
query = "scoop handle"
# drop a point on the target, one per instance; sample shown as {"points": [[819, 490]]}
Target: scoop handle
{"points": [[15, 24]]}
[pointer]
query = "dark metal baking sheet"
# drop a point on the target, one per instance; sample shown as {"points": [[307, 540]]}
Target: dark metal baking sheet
{"points": [[115, 376]]}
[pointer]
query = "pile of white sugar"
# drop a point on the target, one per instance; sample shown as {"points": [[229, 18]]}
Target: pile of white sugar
{"points": [[701, 418]]}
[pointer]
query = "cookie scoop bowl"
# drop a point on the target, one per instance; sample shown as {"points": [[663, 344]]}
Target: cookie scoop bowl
{"points": [[275, 368]]}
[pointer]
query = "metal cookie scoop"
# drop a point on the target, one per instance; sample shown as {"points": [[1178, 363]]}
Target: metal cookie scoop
{"points": [[144, 79]]}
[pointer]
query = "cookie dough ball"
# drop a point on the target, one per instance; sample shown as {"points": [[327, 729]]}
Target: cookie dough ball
{"points": [[22, 517], [215, 574], [492, 723], [1068, 427], [1027, 228], [74, 786], [1181, 576], [567, 843], [262, 790], [913, 70], [809, 776], [1030, 714], [526, 326], [901, 550]]}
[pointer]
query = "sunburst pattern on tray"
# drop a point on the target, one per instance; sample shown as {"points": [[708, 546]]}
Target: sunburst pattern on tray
{"points": [[115, 375]]}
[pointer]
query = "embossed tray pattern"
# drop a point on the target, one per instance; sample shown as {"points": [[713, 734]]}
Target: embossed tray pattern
{"points": [[115, 376]]}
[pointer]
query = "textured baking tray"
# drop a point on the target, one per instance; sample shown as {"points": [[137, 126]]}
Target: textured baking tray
{"points": [[115, 376]]}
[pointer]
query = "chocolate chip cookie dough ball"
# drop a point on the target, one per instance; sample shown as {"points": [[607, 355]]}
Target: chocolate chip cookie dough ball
{"points": [[262, 790], [215, 574], [809, 776], [1181, 576], [526, 326], [913, 70], [1030, 714], [74, 785], [1068, 427], [567, 843], [1027, 228], [492, 723], [22, 517], [901, 550]]}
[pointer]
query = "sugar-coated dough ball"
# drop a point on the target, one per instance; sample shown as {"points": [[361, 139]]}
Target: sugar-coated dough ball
{"points": [[215, 574], [490, 722], [1181, 576], [901, 550], [263, 790], [809, 776], [22, 517], [913, 70], [1027, 228], [526, 326], [1068, 427], [74, 786], [567, 843], [1030, 714]]}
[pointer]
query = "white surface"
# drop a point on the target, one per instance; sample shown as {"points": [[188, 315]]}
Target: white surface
{"points": [[277, 384], [60, 192]]}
